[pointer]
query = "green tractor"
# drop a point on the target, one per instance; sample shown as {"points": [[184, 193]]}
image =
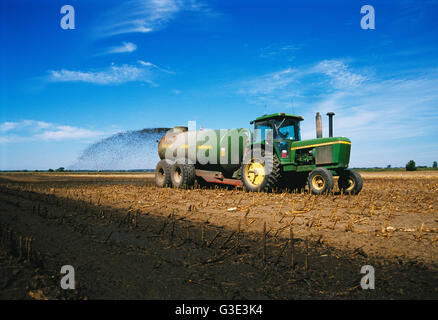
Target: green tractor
{"points": [[273, 157]]}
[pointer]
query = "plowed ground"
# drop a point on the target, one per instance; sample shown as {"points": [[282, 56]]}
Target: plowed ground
{"points": [[127, 239]]}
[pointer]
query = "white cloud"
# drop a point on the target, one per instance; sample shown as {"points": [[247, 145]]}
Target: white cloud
{"points": [[31, 130], [125, 47], [339, 73], [149, 64], [143, 16], [146, 63], [6, 126], [267, 84], [10, 126], [280, 86], [67, 132], [111, 75]]}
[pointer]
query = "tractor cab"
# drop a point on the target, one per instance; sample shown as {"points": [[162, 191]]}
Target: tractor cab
{"points": [[282, 126]]}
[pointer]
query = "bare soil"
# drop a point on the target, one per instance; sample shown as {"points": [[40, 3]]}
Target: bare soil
{"points": [[128, 239]]}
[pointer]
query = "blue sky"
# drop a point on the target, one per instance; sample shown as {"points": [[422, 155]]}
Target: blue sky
{"points": [[137, 64]]}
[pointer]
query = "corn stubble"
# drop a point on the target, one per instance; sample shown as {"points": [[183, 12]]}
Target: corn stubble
{"points": [[390, 219]]}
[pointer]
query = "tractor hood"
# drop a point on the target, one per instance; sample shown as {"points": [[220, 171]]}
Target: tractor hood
{"points": [[333, 151], [311, 143]]}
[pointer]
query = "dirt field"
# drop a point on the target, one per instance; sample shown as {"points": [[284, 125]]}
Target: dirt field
{"points": [[128, 239]]}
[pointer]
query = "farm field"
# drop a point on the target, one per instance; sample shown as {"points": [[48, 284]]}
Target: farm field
{"points": [[128, 239]]}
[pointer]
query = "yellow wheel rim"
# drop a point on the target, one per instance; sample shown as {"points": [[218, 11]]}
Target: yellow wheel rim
{"points": [[350, 185], [318, 182], [255, 172]]}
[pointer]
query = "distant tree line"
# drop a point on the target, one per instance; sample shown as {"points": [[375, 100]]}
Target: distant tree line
{"points": [[410, 166], [60, 169]]}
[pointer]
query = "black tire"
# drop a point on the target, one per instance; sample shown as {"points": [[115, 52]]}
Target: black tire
{"points": [[320, 181], [162, 174], [298, 182], [268, 182], [182, 175], [350, 182]]}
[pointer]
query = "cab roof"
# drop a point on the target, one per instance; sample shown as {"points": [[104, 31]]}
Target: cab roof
{"points": [[279, 115]]}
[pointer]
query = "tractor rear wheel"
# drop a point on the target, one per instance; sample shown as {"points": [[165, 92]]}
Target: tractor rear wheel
{"points": [[182, 175], [350, 181], [254, 171], [162, 174], [320, 181]]}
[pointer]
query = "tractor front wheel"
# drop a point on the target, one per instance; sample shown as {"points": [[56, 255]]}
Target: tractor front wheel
{"points": [[320, 181], [350, 182]]}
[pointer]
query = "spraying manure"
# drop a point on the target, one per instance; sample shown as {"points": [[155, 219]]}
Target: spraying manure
{"points": [[128, 150]]}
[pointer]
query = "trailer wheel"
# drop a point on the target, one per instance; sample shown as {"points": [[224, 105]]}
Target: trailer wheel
{"points": [[254, 173], [182, 175], [162, 174], [320, 181], [350, 181]]}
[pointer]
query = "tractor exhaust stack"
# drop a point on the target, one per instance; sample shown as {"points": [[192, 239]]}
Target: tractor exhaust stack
{"points": [[318, 125], [330, 115]]}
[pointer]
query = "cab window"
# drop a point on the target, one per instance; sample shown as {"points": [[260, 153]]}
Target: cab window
{"points": [[286, 129], [286, 132]]}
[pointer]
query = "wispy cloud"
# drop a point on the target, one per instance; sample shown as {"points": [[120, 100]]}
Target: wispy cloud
{"points": [[34, 125], [280, 86], [144, 16], [149, 64], [144, 71], [339, 73], [272, 83], [67, 132], [7, 126], [31, 130], [112, 75], [126, 47]]}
